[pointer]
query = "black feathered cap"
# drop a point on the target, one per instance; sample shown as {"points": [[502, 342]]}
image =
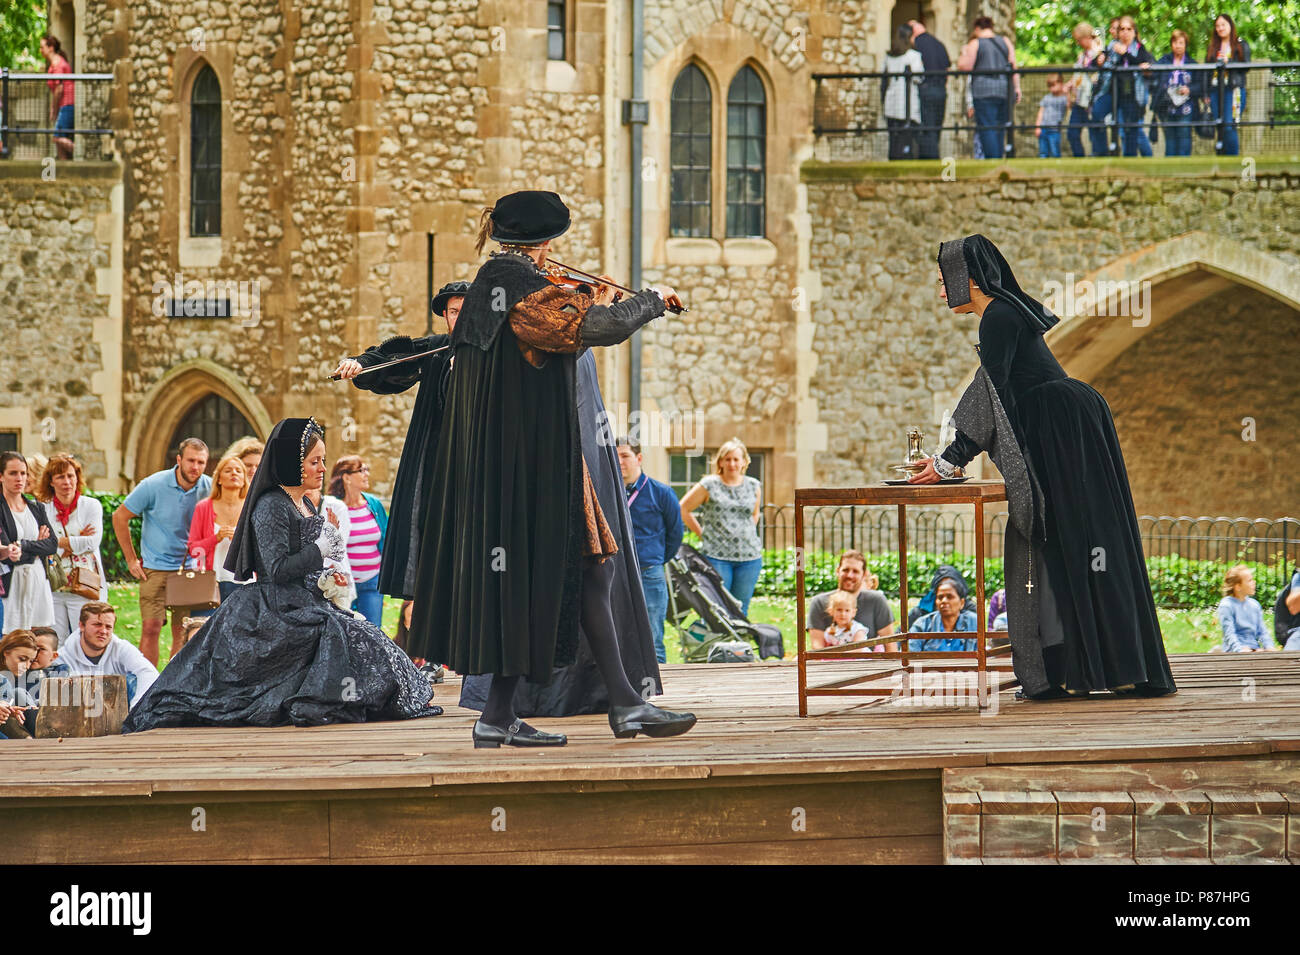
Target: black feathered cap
{"points": [[529, 218], [446, 294]]}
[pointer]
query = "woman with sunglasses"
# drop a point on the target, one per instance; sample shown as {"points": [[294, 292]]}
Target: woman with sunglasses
{"points": [[367, 526]]}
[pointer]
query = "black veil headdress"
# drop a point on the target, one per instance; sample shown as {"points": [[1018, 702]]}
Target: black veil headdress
{"points": [[281, 465], [975, 257]]}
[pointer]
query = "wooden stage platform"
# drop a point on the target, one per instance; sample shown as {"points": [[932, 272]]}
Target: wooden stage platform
{"points": [[1211, 774]]}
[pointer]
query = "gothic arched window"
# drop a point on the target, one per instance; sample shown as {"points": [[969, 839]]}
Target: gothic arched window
{"points": [[746, 149], [205, 154], [691, 154]]}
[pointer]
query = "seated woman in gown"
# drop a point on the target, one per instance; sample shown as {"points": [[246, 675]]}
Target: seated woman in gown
{"points": [[278, 651]]}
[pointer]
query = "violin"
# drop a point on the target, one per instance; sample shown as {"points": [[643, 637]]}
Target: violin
{"points": [[566, 276]]}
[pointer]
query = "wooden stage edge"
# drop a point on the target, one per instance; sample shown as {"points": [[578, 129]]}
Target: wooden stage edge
{"points": [[1211, 774]]}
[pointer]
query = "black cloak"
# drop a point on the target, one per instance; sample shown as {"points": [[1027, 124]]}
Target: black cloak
{"points": [[579, 688], [1085, 619], [410, 503], [500, 572]]}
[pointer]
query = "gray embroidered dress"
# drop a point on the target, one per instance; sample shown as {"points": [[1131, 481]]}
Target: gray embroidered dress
{"points": [[277, 652]]}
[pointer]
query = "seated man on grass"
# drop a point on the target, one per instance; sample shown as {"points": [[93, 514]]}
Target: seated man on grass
{"points": [[873, 610], [94, 651]]}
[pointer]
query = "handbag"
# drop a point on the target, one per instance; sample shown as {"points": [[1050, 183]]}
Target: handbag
{"points": [[193, 588], [54, 571], [84, 583]]}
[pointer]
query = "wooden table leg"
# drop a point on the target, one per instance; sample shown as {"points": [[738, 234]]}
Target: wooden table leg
{"points": [[902, 595], [981, 660], [801, 622]]}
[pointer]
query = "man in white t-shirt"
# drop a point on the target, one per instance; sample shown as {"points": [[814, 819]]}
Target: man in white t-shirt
{"points": [[873, 610], [94, 651]]}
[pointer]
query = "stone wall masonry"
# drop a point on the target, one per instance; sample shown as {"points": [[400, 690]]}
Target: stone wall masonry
{"points": [[55, 237]]}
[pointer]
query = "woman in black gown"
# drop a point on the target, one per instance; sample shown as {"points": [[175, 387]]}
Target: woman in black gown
{"points": [[1087, 617], [277, 651]]}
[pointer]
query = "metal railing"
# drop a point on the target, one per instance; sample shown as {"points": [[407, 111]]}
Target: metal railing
{"points": [[27, 128], [874, 530], [850, 125]]}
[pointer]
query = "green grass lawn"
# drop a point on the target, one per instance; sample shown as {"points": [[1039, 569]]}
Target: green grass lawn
{"points": [[1185, 631]]}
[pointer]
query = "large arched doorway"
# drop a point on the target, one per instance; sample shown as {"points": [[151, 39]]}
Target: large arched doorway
{"points": [[198, 398], [214, 421]]}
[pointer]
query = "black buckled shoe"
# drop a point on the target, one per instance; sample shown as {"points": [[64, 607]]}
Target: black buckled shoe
{"points": [[627, 721], [518, 733], [434, 672]]}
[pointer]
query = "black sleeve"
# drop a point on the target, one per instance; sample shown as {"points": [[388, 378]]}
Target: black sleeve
{"points": [[39, 548], [612, 324], [271, 526], [392, 381], [962, 450]]}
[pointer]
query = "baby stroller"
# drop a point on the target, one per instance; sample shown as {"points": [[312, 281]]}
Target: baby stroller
{"points": [[721, 634]]}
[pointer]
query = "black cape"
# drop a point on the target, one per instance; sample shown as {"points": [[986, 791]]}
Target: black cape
{"points": [[579, 689], [1091, 603], [500, 573], [410, 503]]}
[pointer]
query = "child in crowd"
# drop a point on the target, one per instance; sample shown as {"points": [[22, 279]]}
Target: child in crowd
{"points": [[47, 662], [1051, 113], [1240, 615], [17, 651], [844, 628]]}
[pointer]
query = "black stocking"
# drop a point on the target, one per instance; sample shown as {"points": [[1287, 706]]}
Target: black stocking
{"points": [[598, 625], [499, 710]]}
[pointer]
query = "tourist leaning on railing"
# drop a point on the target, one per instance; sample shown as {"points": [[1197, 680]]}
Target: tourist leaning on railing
{"points": [[902, 95], [1080, 90], [1229, 101], [1178, 93], [987, 51]]}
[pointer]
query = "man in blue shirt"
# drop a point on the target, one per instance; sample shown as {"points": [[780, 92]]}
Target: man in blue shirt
{"points": [[657, 526], [166, 501]]}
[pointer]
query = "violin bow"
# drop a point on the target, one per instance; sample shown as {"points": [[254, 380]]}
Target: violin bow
{"points": [[395, 361]]}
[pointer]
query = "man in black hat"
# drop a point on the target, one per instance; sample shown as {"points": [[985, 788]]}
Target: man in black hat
{"points": [[410, 503], [516, 550]]}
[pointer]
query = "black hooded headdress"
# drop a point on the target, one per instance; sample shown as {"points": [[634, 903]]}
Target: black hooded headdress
{"points": [[976, 258], [281, 465]]}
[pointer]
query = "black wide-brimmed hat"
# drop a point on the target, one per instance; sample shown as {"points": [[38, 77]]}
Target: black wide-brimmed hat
{"points": [[529, 218], [446, 294]]}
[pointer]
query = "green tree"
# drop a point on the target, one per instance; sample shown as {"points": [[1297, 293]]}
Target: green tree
{"points": [[1043, 26], [22, 22]]}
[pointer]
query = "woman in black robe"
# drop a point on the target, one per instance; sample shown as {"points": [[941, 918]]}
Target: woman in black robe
{"points": [[1094, 617], [277, 651]]}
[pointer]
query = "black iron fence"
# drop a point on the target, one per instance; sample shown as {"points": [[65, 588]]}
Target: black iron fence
{"points": [[32, 126], [1198, 109], [1196, 542]]}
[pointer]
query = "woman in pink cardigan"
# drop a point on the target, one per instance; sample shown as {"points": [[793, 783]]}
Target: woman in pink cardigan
{"points": [[214, 522]]}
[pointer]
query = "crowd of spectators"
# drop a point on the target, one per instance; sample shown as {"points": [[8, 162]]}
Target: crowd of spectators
{"points": [[1117, 92]]}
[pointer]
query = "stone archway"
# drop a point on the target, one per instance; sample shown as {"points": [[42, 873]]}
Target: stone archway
{"points": [[1170, 276], [171, 398]]}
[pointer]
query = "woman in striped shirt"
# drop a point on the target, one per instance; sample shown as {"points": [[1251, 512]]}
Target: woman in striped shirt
{"points": [[368, 523]]}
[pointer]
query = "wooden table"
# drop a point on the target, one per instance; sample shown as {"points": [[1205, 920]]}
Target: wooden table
{"points": [[986, 659]]}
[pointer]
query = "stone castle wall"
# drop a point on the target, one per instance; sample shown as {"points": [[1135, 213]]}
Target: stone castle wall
{"points": [[58, 229]]}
